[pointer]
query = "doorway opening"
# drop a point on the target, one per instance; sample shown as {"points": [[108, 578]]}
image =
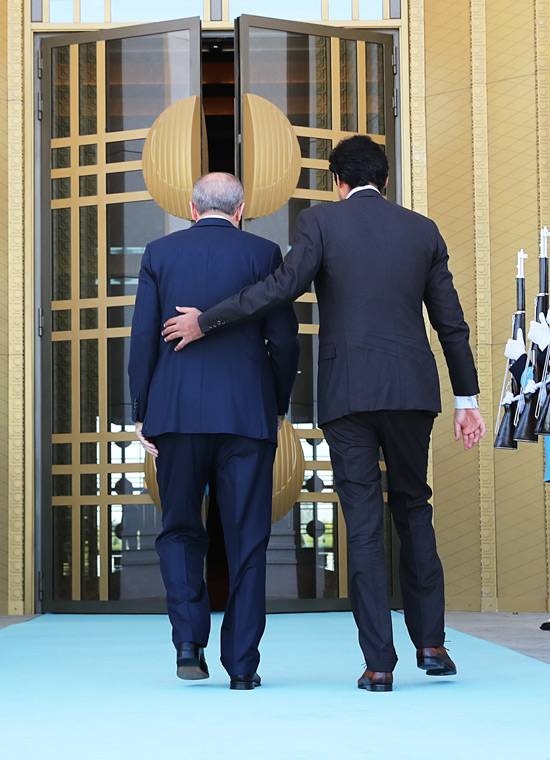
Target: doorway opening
{"points": [[218, 99]]}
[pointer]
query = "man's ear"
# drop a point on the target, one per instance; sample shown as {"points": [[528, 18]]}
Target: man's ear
{"points": [[239, 213], [194, 213]]}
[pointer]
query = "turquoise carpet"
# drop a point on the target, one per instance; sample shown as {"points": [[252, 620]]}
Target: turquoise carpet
{"points": [[102, 687]]}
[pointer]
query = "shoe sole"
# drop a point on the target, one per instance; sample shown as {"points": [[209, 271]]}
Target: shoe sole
{"points": [[244, 686], [190, 670], [432, 668], [376, 686]]}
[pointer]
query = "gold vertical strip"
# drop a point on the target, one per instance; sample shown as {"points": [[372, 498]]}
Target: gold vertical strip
{"points": [[107, 11], [418, 157], [542, 79], [342, 554], [76, 11], [482, 247], [386, 9], [46, 11], [225, 10], [30, 329], [104, 551], [355, 10], [362, 87], [335, 83], [12, 502], [75, 321], [324, 10], [206, 9]]}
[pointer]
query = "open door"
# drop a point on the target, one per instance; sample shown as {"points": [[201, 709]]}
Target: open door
{"points": [[330, 84], [105, 89]]}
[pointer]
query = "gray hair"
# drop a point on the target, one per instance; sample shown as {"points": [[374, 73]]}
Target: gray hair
{"points": [[217, 192]]}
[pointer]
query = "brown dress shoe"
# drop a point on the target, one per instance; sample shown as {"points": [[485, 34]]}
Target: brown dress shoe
{"points": [[375, 681], [435, 661]]}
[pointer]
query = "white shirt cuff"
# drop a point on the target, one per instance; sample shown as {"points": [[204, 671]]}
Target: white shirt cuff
{"points": [[466, 402]]}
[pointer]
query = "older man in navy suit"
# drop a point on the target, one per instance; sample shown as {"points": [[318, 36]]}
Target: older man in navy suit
{"points": [[211, 413]]}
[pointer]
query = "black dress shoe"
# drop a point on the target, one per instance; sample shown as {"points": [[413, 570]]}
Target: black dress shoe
{"points": [[372, 680], [243, 683], [191, 663], [435, 661]]}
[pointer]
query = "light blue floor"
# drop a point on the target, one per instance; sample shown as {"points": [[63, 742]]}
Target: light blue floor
{"points": [[102, 687]]}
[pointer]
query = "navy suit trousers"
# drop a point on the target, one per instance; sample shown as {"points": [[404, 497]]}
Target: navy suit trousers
{"points": [[355, 442], [242, 470]]}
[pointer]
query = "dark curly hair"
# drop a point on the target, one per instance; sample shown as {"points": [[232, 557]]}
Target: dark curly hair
{"points": [[358, 161]]}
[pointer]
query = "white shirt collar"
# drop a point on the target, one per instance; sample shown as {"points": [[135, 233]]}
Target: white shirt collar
{"points": [[362, 187]]}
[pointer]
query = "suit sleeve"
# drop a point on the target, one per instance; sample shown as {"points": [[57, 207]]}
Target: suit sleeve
{"points": [[292, 278], [280, 330], [144, 343], [447, 318]]}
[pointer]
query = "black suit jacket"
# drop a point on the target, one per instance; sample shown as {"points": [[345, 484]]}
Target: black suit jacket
{"points": [[374, 265]]}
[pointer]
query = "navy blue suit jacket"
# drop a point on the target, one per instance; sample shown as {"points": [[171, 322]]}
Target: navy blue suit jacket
{"points": [[236, 383]]}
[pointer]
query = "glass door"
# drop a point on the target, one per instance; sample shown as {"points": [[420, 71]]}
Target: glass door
{"points": [[105, 91], [330, 83]]}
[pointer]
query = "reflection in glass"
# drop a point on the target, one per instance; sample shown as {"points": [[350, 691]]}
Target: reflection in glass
{"points": [[87, 185], [315, 147], [62, 453], [88, 251], [130, 226], [92, 10], [89, 453], [89, 484], [61, 254], [61, 320], [89, 551], [88, 319], [293, 72], [134, 566], [305, 10], [87, 87], [61, 188], [160, 10], [87, 155], [61, 158], [120, 316], [61, 485], [61, 386], [61, 552], [89, 401], [119, 407], [348, 85], [316, 179], [125, 182], [279, 226], [375, 88], [60, 91], [371, 10], [144, 75], [126, 150]]}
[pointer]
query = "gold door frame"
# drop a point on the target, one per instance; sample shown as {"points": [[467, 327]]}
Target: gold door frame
{"points": [[333, 135], [101, 199]]}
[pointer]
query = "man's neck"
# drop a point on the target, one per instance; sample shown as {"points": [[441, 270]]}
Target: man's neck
{"points": [[362, 187]]}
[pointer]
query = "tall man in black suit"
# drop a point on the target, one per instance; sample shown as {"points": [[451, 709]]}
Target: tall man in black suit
{"points": [[374, 265], [210, 413]]}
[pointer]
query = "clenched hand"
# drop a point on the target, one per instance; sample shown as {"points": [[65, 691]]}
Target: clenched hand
{"points": [[470, 426]]}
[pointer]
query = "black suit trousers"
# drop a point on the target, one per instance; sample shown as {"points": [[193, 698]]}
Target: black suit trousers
{"points": [[242, 469], [355, 442]]}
